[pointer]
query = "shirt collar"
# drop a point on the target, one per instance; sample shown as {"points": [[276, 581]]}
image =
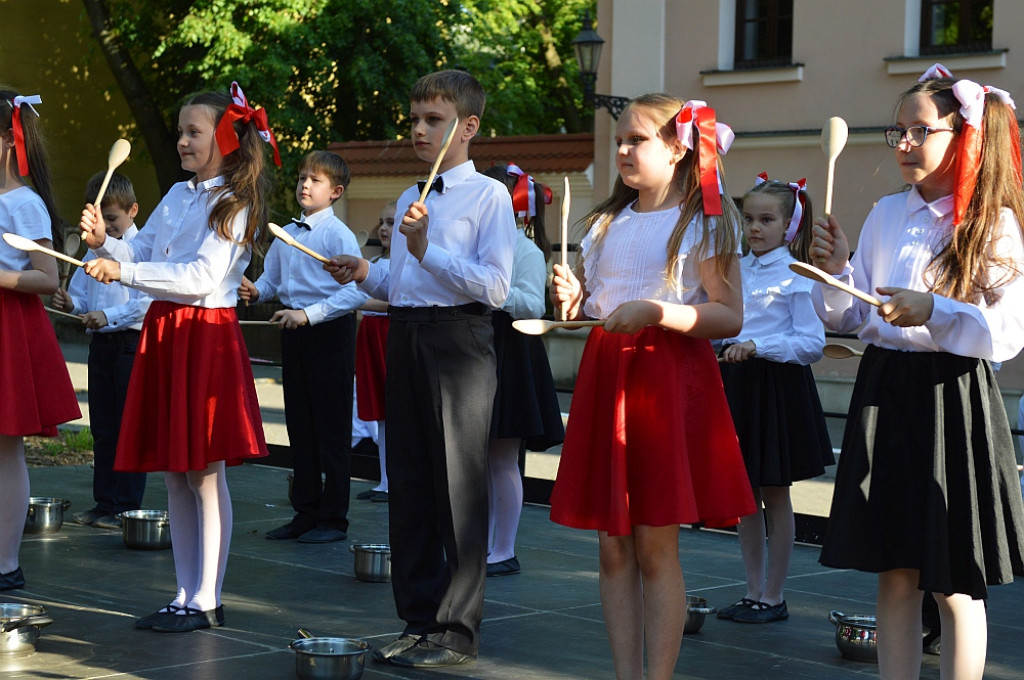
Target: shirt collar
{"points": [[772, 256], [217, 181], [940, 207], [458, 174], [317, 218]]}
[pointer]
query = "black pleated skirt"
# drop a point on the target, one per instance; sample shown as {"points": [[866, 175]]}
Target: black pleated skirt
{"points": [[927, 478], [526, 404], [779, 421]]}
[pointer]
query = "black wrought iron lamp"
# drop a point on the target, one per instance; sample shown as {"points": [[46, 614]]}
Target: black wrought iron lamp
{"points": [[588, 44]]}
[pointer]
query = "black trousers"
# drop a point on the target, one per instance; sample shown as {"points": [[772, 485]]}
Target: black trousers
{"points": [[440, 391], [111, 356], [317, 368]]}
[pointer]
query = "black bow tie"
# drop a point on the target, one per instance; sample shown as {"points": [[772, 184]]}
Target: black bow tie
{"points": [[437, 186], [303, 225]]}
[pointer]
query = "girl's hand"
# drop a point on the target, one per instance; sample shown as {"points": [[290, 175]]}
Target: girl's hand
{"points": [[829, 250], [632, 316], [906, 307], [104, 271], [94, 230], [414, 226], [741, 351], [247, 292], [289, 318], [566, 290]]}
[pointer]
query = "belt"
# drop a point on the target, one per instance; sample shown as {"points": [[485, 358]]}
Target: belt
{"points": [[435, 313]]}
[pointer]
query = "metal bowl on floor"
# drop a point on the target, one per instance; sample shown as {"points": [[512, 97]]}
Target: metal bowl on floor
{"points": [[329, 658], [855, 636], [45, 515], [372, 562], [696, 609], [146, 529], [19, 627]]}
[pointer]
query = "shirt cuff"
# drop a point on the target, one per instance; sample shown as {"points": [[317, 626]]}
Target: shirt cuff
{"points": [[433, 258], [943, 310], [127, 273]]}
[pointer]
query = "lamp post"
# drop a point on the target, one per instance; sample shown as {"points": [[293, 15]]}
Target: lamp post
{"points": [[587, 45]]}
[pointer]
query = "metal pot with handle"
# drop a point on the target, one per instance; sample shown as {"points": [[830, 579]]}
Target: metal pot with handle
{"points": [[20, 625]]}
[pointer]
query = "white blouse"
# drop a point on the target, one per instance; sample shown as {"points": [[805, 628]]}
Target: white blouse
{"points": [[900, 236], [526, 294], [22, 212]]}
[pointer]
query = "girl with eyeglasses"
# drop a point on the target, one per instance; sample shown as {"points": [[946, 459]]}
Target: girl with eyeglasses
{"points": [[925, 493]]}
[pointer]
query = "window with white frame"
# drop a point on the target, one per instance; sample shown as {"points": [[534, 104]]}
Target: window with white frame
{"points": [[956, 26], [764, 33]]}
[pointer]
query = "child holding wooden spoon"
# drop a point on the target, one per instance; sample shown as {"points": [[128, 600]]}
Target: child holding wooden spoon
{"points": [[925, 492]]}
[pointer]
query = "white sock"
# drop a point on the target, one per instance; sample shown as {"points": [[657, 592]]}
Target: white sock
{"points": [[505, 499], [381, 448], [14, 495]]}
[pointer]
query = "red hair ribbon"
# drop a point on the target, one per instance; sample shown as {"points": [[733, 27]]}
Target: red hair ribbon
{"points": [[19, 133], [971, 96], [712, 137], [239, 109], [524, 201], [799, 198], [936, 70]]}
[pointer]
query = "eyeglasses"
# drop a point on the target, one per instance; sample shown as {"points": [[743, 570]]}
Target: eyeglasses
{"points": [[915, 134]]}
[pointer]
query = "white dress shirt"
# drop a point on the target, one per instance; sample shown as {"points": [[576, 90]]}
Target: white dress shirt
{"points": [[629, 263], [778, 314], [177, 257], [299, 281], [900, 236], [529, 279], [471, 236], [124, 307], [22, 212]]}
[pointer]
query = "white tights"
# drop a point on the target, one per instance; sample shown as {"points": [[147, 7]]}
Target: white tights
{"points": [[201, 517], [383, 486], [14, 494], [505, 499]]}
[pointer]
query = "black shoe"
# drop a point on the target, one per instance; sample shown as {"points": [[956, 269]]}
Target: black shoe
{"points": [[504, 568], [400, 644], [192, 619], [107, 522], [428, 654], [365, 495], [763, 613], [12, 580], [735, 608], [322, 535], [380, 497], [287, 532], [146, 622], [87, 517]]}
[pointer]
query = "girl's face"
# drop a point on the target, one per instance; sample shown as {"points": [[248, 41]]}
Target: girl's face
{"points": [[387, 223], [764, 225], [645, 161], [930, 167], [197, 143]]}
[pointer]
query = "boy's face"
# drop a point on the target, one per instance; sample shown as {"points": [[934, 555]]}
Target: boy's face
{"points": [[314, 191], [429, 120], [117, 220]]}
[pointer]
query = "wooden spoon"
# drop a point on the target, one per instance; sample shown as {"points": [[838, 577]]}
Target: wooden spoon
{"points": [[812, 272], [58, 312], [448, 134], [255, 322], [288, 240], [837, 350], [833, 140], [72, 243], [542, 326], [118, 153], [362, 236], [565, 239], [28, 245]]}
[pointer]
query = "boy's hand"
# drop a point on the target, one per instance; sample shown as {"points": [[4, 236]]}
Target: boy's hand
{"points": [[741, 351], [906, 307], [95, 320], [94, 230], [829, 250], [104, 271], [566, 290], [347, 268], [414, 227], [289, 318], [62, 301], [247, 292]]}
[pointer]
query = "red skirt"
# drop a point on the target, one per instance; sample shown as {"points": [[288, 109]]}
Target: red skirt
{"points": [[650, 440], [191, 398], [371, 348], [35, 389]]}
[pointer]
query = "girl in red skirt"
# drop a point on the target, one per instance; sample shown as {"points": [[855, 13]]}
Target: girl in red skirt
{"points": [[650, 443], [191, 406], [35, 389]]}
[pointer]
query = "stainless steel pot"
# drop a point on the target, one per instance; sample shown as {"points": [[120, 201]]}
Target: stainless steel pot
{"points": [[45, 515], [146, 529], [696, 609], [329, 658], [855, 636], [372, 562], [19, 626]]}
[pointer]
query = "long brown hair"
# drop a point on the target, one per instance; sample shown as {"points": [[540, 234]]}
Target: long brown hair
{"points": [[800, 245], [723, 229], [247, 182], [35, 149], [967, 268]]}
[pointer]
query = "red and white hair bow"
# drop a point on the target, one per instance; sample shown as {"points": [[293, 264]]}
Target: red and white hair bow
{"points": [[712, 137], [524, 198], [19, 133], [971, 96], [799, 198], [239, 109], [936, 70]]}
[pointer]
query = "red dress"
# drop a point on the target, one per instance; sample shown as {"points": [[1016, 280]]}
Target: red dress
{"points": [[371, 350], [191, 398], [650, 440], [36, 389]]}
